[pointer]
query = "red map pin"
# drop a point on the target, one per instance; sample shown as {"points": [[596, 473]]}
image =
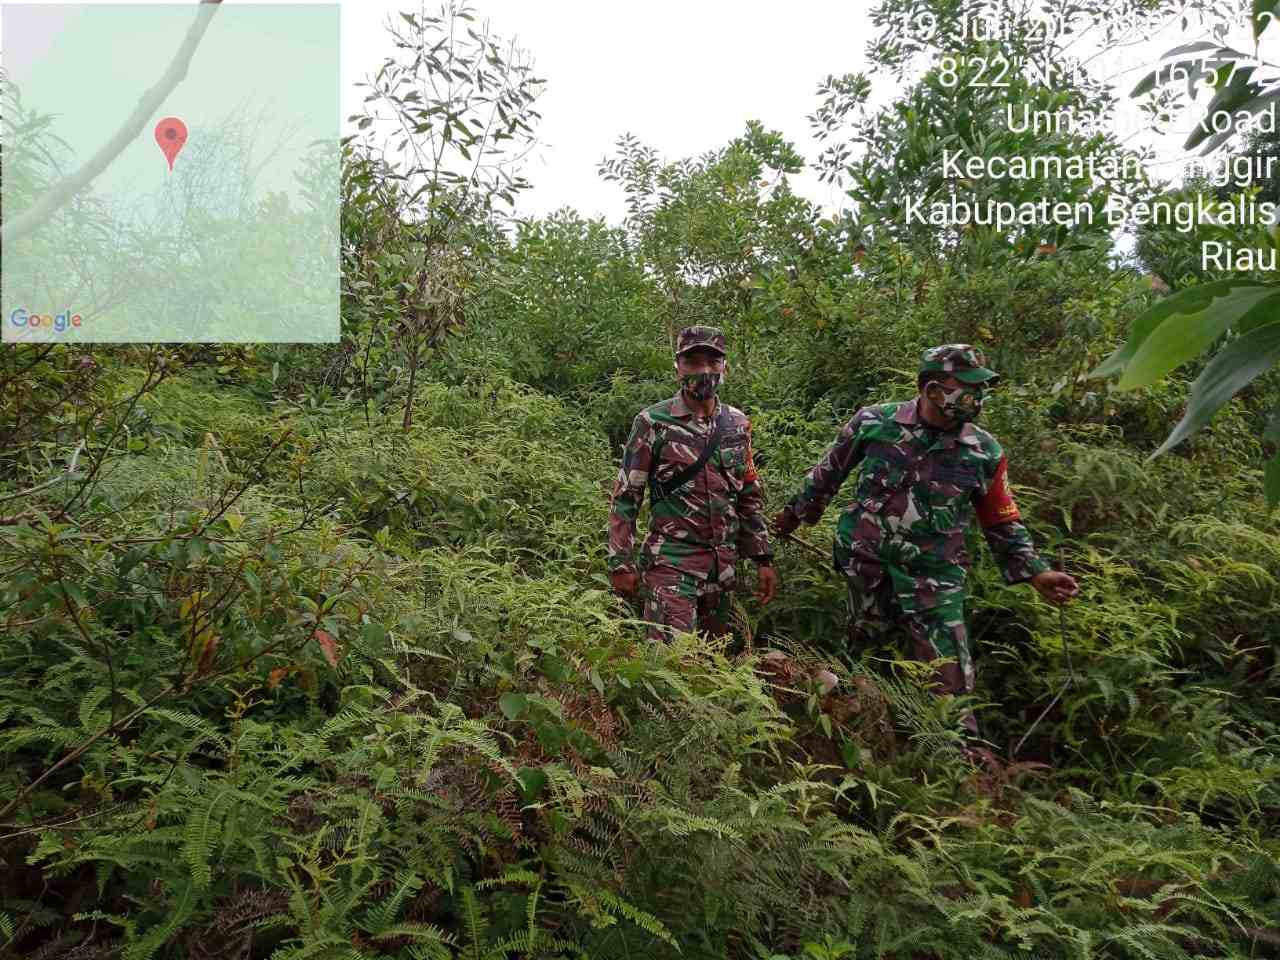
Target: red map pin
{"points": [[171, 134]]}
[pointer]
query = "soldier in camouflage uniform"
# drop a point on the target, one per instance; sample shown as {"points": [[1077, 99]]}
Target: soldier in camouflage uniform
{"points": [[925, 470], [698, 530]]}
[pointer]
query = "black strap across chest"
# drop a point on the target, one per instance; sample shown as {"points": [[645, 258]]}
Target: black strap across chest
{"points": [[659, 491]]}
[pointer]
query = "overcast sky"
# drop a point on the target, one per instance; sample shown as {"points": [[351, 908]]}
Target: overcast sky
{"points": [[684, 77]]}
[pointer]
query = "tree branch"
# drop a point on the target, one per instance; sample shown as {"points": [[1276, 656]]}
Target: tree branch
{"points": [[71, 468]]}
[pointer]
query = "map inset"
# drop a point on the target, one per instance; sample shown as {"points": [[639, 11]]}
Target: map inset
{"points": [[217, 220]]}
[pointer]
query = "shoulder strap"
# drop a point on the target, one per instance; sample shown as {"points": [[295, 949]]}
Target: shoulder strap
{"points": [[660, 491]]}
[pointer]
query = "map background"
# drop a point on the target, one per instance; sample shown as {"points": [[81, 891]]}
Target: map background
{"points": [[88, 64]]}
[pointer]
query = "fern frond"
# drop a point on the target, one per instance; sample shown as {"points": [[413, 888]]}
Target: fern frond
{"points": [[328, 946], [380, 917], [598, 899], [203, 728], [475, 923], [423, 932], [200, 838], [155, 938]]}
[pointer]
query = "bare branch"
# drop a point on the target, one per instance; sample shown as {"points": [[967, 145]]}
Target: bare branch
{"points": [[71, 468]]}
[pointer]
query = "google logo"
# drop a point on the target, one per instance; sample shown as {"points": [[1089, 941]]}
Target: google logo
{"points": [[59, 323]]}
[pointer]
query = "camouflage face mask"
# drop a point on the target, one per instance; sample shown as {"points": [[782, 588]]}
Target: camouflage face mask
{"points": [[964, 403], [701, 386]]}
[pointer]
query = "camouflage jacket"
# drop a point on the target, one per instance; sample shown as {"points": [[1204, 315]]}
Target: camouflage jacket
{"points": [[917, 493], [717, 516]]}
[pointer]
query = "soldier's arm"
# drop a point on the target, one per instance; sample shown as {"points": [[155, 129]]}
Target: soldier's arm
{"points": [[753, 531], [830, 472], [1009, 539], [628, 495]]}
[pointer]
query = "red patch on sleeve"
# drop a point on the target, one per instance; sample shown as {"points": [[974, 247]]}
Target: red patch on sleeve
{"points": [[996, 505], [750, 475]]}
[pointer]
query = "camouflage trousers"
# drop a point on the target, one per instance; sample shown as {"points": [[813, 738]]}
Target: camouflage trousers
{"points": [[677, 600], [934, 633]]}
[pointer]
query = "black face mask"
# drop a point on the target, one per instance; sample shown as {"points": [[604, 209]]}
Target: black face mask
{"points": [[701, 386]]}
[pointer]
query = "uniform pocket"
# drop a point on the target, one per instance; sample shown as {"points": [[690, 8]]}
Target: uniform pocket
{"points": [[679, 450], [886, 469], [963, 475], [733, 455], [952, 486], [954, 481]]}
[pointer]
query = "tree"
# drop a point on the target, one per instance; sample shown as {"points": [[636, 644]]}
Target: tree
{"points": [[713, 229], [1242, 314], [421, 220], [967, 94]]}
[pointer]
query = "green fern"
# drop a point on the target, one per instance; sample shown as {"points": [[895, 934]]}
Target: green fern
{"points": [[202, 835], [146, 946]]}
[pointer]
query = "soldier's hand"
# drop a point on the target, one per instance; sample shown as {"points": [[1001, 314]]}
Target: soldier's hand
{"points": [[784, 522], [625, 582], [1055, 586], [767, 588]]}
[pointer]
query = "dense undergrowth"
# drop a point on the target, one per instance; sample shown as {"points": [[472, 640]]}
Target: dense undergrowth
{"points": [[367, 694], [309, 651]]}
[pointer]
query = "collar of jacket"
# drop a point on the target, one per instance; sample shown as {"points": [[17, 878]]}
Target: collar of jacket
{"points": [[681, 409], [908, 414]]}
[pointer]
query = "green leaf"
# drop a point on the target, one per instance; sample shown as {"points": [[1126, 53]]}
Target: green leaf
{"points": [[1255, 106], [1264, 11], [75, 593], [1184, 336], [513, 705], [1272, 432], [551, 737], [1186, 301], [1233, 368], [130, 560], [1231, 98], [533, 780], [1169, 71], [1271, 481], [555, 668]]}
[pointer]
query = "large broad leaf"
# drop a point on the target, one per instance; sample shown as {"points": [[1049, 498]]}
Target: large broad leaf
{"points": [[1181, 338], [1272, 432], [513, 705], [1228, 101], [1256, 106], [1267, 311], [1271, 480], [1189, 70], [1264, 11], [1229, 372], [1224, 300]]}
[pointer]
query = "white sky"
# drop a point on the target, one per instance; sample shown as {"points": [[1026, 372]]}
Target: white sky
{"points": [[683, 77]]}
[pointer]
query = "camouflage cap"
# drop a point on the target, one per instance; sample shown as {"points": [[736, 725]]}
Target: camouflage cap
{"points": [[966, 363], [709, 338]]}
